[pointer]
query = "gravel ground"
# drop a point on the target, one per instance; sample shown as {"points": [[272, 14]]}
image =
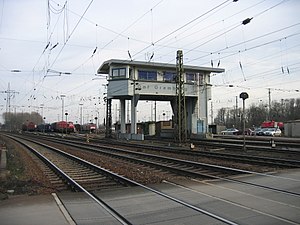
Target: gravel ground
{"points": [[22, 175], [133, 171]]}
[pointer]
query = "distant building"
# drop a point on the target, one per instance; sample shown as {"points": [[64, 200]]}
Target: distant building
{"points": [[292, 128], [135, 80]]}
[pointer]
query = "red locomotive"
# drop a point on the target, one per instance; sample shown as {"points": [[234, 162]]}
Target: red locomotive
{"points": [[89, 127], [272, 124], [63, 127], [31, 126]]}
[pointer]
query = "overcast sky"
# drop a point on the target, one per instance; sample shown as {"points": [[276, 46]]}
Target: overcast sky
{"points": [[50, 48]]}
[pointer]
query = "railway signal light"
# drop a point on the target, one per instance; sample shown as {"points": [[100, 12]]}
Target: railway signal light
{"points": [[244, 96]]}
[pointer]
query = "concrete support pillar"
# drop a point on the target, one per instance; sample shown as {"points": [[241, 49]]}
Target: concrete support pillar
{"points": [[133, 115], [123, 110]]}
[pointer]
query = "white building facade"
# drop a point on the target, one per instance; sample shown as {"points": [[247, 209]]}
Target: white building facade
{"points": [[135, 80]]}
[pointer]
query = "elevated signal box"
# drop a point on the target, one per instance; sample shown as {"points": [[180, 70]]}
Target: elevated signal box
{"points": [[136, 80]]}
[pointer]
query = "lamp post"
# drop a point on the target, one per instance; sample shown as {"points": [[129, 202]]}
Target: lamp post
{"points": [[244, 96], [66, 122], [44, 121], [62, 106], [96, 119], [81, 109]]}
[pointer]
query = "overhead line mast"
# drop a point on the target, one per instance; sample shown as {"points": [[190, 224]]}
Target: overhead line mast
{"points": [[10, 94], [180, 129]]}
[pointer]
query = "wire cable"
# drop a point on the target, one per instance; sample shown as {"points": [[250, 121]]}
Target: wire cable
{"points": [[181, 27], [68, 38]]}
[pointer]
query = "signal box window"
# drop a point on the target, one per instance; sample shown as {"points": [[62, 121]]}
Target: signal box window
{"points": [[191, 78], [147, 75], [118, 73], [169, 76]]}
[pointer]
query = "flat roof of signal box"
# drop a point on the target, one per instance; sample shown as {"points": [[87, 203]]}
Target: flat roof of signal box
{"points": [[104, 68]]}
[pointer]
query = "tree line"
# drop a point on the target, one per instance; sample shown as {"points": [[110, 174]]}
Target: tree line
{"points": [[280, 111], [14, 121]]}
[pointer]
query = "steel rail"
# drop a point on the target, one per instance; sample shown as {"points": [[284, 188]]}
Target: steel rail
{"points": [[271, 161], [112, 211], [75, 184], [95, 148], [241, 157], [291, 147]]}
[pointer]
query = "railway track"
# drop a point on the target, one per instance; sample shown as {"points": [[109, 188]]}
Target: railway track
{"points": [[172, 165], [282, 145], [237, 156], [120, 218], [253, 143], [80, 174], [179, 166], [67, 165]]}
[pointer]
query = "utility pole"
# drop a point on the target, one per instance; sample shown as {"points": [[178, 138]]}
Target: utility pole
{"points": [[181, 132], [81, 111], [62, 107], [269, 112], [236, 112], [9, 94]]}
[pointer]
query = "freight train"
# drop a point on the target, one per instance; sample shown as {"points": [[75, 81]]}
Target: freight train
{"points": [[61, 127], [86, 128], [46, 128]]}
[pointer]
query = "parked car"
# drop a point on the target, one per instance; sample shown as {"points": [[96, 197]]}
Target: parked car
{"points": [[257, 130], [230, 131], [261, 131], [272, 132]]}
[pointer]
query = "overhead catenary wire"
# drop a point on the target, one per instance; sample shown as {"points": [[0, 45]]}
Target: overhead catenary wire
{"points": [[274, 73], [262, 85], [267, 75], [206, 27], [160, 46], [244, 22], [68, 38], [120, 34], [48, 36], [181, 27], [272, 56], [220, 55], [244, 50], [133, 23]]}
